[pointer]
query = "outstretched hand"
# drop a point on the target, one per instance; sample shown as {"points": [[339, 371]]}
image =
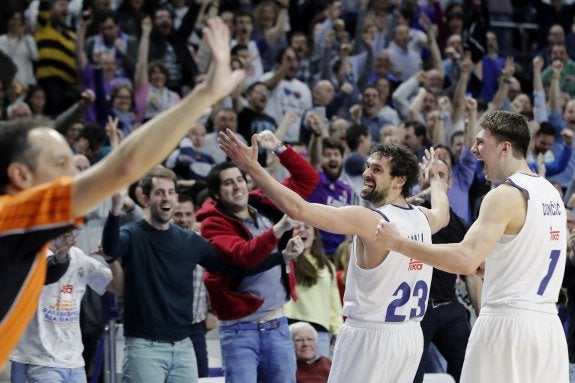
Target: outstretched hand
{"points": [[118, 200], [268, 140], [61, 246], [428, 164], [220, 79], [240, 154], [293, 248]]}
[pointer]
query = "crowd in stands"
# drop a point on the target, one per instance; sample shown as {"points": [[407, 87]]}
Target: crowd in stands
{"points": [[328, 79]]}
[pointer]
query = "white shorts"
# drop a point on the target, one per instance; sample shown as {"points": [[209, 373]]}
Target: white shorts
{"points": [[516, 346], [370, 352]]}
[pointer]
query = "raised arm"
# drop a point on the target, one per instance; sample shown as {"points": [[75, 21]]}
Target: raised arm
{"points": [[273, 34], [436, 127], [461, 88], [540, 111], [537, 68], [319, 132], [432, 32], [280, 71], [503, 89], [361, 21], [192, 18], [152, 142], [416, 105], [344, 220], [81, 56], [289, 118], [404, 91], [438, 215], [303, 178], [364, 62], [74, 112], [141, 75], [112, 245], [469, 129], [554, 88]]}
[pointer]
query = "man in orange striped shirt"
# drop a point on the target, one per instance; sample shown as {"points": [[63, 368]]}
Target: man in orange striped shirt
{"points": [[41, 196]]}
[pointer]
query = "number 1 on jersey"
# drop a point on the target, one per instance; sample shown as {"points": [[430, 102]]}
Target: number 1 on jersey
{"points": [[554, 258]]}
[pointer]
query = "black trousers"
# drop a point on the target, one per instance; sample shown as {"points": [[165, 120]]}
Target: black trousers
{"points": [[198, 338], [447, 326]]}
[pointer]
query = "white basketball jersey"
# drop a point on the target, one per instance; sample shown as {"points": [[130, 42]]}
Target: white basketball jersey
{"points": [[526, 270], [396, 290]]}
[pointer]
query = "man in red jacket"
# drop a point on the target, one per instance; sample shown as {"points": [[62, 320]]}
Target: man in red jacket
{"points": [[254, 335]]}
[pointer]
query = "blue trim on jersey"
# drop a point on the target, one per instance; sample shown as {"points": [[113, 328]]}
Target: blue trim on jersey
{"points": [[525, 191], [380, 213], [409, 207], [530, 175]]}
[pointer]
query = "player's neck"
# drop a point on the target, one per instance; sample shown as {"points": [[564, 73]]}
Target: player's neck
{"points": [[397, 200], [516, 166]]}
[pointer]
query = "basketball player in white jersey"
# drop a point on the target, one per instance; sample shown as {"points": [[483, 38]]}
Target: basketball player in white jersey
{"points": [[386, 293], [520, 236]]}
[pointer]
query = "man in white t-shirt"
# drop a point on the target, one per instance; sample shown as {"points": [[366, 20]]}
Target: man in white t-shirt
{"points": [[50, 350], [287, 92], [222, 119]]}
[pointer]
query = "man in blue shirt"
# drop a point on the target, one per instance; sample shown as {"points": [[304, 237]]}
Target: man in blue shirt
{"points": [[159, 259], [331, 190]]}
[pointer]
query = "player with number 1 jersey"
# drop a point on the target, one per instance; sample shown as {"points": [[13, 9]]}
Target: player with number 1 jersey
{"points": [[384, 306], [518, 242], [519, 295]]}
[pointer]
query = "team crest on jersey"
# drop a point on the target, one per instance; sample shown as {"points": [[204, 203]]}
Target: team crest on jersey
{"points": [[553, 234], [67, 289], [414, 265]]}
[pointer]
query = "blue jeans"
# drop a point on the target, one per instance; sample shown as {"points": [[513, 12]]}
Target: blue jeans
{"points": [[153, 361], [250, 356], [31, 373]]}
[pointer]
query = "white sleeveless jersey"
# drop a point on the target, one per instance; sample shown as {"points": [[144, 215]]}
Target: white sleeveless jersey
{"points": [[526, 270], [396, 290]]}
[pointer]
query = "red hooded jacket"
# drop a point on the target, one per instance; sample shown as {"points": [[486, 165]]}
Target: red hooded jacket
{"points": [[236, 245]]}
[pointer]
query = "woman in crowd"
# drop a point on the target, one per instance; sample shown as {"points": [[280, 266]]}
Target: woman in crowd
{"points": [[36, 100], [318, 298], [123, 107], [152, 94], [21, 47]]}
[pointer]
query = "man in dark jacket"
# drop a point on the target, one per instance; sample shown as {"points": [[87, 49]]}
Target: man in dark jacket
{"points": [[158, 259]]}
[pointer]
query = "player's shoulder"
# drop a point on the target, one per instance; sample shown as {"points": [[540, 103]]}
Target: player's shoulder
{"points": [[506, 189], [504, 196]]}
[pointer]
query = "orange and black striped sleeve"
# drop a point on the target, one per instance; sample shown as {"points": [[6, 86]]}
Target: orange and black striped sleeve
{"points": [[28, 220]]}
